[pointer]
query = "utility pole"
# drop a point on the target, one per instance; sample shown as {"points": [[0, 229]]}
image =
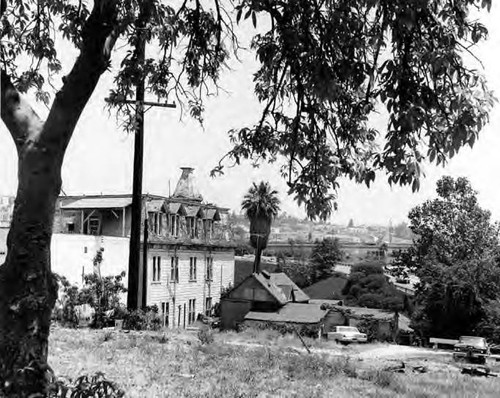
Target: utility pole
{"points": [[136, 211], [135, 227]]}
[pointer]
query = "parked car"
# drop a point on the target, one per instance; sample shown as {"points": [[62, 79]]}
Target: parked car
{"points": [[471, 347], [346, 335]]}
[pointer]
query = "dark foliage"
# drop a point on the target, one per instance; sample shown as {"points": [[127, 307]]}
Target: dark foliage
{"points": [[367, 286], [285, 328], [325, 254], [85, 386], [325, 69], [146, 319], [455, 255]]}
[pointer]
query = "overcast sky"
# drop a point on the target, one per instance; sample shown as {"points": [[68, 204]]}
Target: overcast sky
{"points": [[100, 155]]}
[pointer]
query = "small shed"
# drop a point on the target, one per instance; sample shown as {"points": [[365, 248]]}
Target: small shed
{"points": [[262, 292], [305, 318], [388, 323]]}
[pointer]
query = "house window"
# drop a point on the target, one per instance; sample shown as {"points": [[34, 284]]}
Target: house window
{"points": [[208, 306], [174, 269], [93, 226], [208, 229], [156, 268], [174, 225], [71, 226], [210, 269], [192, 268], [155, 223], [165, 312], [192, 311], [191, 226]]}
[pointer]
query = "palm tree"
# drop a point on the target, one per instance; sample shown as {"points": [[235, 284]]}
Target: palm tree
{"points": [[261, 206]]}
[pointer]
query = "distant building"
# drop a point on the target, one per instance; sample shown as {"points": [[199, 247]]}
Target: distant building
{"points": [[6, 210], [190, 252]]}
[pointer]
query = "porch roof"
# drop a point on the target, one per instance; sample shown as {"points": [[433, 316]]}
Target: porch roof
{"points": [[97, 203]]}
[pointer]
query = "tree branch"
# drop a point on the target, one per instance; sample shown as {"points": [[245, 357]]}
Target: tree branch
{"points": [[98, 39], [21, 120]]}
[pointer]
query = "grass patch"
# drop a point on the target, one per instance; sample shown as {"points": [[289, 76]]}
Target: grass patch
{"points": [[178, 364]]}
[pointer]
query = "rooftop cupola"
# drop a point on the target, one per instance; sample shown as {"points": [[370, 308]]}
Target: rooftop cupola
{"points": [[186, 187]]}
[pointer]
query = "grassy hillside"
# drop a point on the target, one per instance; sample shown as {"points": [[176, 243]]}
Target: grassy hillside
{"points": [[329, 289], [254, 364]]}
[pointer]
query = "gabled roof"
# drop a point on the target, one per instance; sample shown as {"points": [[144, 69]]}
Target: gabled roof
{"points": [[273, 290], [290, 313], [155, 205], [212, 214], [287, 285], [175, 208], [193, 211], [96, 203], [281, 287]]}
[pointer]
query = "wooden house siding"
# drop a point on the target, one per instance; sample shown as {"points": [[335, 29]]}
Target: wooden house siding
{"points": [[178, 295]]}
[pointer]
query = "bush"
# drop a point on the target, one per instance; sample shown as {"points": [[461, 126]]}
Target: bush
{"points": [[205, 335], [147, 319], [65, 310], [85, 386], [381, 378], [284, 328]]}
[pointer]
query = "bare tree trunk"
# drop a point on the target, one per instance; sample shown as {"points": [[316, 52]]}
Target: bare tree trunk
{"points": [[28, 290], [256, 263]]}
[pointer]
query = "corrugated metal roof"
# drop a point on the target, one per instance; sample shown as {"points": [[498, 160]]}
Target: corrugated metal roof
{"points": [[291, 313], [97, 203], [155, 205]]}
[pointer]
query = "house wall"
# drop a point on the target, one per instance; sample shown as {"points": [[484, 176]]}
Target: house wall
{"points": [[252, 290], [384, 331], [233, 312], [3, 243], [72, 255], [111, 221], [333, 318], [177, 295]]}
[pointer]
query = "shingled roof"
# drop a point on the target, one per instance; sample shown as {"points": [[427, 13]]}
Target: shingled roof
{"points": [[281, 287], [290, 313]]}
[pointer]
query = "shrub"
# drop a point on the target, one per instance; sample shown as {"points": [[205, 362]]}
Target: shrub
{"points": [[142, 320], [381, 378], [369, 326], [284, 328], [85, 386], [205, 335], [65, 311]]}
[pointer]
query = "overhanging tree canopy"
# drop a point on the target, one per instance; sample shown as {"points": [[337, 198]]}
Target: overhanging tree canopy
{"points": [[326, 66]]}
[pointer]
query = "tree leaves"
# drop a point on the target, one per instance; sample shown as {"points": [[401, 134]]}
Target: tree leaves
{"points": [[321, 79]]}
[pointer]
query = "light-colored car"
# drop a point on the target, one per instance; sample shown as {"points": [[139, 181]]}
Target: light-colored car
{"points": [[471, 346], [347, 334]]}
